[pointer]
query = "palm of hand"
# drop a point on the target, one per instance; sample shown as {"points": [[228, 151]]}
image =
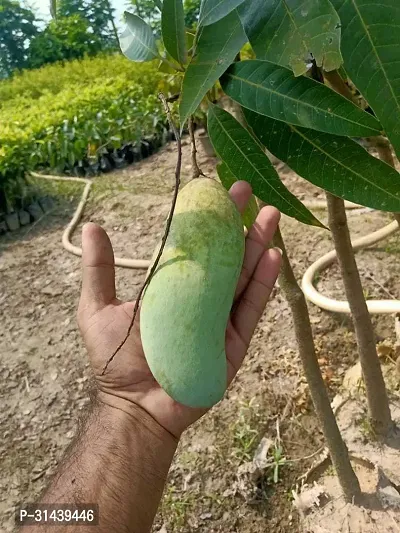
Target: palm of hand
{"points": [[104, 320], [129, 376]]}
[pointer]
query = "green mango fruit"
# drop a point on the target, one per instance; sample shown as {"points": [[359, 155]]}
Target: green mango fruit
{"points": [[186, 306]]}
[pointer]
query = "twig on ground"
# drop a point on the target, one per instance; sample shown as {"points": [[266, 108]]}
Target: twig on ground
{"points": [[320, 450], [287, 409], [306, 457], [196, 171], [166, 232], [323, 461], [384, 289]]}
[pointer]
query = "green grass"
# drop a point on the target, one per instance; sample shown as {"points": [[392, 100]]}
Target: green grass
{"points": [[176, 505], [330, 471], [393, 247], [367, 429], [245, 431], [64, 190]]}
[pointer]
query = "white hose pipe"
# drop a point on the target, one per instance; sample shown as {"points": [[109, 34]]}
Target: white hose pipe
{"points": [[342, 306], [69, 230], [307, 283]]}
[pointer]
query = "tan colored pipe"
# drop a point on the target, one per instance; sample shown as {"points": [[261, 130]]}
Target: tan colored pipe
{"points": [[69, 230], [342, 306], [307, 284]]}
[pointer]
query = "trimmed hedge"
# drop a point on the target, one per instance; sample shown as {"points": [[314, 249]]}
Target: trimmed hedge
{"points": [[66, 116]]}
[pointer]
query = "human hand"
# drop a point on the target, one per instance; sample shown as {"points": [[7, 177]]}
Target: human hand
{"points": [[104, 320]]}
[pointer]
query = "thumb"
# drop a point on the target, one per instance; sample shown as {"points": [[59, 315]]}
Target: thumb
{"points": [[98, 277]]}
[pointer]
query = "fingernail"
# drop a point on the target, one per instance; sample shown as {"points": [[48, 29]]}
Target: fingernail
{"points": [[278, 250]]}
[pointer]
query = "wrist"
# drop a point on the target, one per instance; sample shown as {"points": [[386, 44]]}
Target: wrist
{"points": [[132, 417]]}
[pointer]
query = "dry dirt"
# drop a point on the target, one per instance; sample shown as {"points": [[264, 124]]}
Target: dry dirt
{"points": [[376, 464], [45, 375]]}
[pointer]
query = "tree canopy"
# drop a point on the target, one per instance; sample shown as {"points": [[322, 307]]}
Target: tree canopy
{"points": [[17, 27], [99, 16], [63, 39], [82, 27]]}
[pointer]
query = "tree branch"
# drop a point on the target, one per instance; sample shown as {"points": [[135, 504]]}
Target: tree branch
{"points": [[305, 342], [377, 399], [196, 171], [166, 232]]}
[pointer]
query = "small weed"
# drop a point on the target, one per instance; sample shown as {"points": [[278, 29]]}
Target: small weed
{"points": [[187, 458], [348, 336], [244, 437], [67, 190], [366, 428], [277, 456], [361, 386], [279, 460], [212, 497], [290, 495], [330, 471], [393, 247], [176, 505], [367, 294], [244, 431]]}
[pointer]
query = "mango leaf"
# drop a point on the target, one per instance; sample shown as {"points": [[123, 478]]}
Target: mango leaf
{"points": [[245, 159], [371, 51], [336, 164], [228, 179], [272, 90], [190, 37], [287, 31], [137, 41], [217, 47], [173, 29], [213, 10]]}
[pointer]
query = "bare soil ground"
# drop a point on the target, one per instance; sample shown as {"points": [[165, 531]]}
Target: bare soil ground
{"points": [[378, 471], [45, 376]]}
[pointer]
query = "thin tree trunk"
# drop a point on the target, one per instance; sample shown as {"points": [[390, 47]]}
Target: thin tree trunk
{"points": [[304, 337], [384, 150], [378, 403], [137, 5], [115, 31]]}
